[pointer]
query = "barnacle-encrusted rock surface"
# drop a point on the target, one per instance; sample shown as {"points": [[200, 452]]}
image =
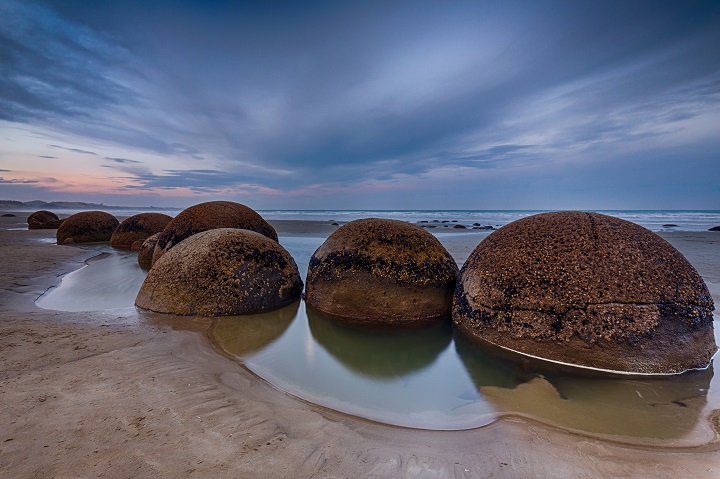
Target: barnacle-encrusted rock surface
{"points": [[382, 272], [221, 272], [589, 290], [138, 228], [207, 216], [145, 253], [87, 227], [43, 219]]}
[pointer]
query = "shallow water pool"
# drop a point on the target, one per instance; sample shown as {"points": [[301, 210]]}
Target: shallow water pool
{"points": [[431, 378]]}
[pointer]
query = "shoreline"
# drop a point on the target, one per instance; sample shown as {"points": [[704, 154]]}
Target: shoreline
{"points": [[88, 394]]}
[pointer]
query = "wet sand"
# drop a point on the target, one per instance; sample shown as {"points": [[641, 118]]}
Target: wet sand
{"points": [[118, 394]]}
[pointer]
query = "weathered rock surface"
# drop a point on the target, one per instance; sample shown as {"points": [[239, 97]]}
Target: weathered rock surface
{"points": [[42, 220], [87, 227], [138, 228], [207, 216], [589, 290], [221, 272], [145, 253], [383, 273]]}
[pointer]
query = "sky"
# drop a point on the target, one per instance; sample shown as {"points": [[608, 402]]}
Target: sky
{"points": [[362, 105]]}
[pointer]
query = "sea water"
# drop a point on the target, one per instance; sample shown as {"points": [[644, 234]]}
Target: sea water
{"points": [[431, 378], [654, 220]]}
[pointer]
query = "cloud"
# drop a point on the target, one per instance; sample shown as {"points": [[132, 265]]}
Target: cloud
{"points": [[47, 157], [74, 150], [328, 96], [122, 160], [14, 181]]}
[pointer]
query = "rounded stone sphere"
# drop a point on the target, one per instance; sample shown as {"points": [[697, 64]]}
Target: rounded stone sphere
{"points": [[87, 227], [587, 290], [138, 228], [208, 216], [381, 272], [41, 216], [145, 253], [220, 272]]}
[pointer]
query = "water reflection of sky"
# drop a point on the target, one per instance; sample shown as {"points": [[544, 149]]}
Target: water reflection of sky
{"points": [[425, 379]]}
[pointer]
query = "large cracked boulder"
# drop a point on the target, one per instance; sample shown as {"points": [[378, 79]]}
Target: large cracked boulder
{"points": [[382, 272], [207, 216], [222, 272], [87, 227], [138, 228], [589, 290]]}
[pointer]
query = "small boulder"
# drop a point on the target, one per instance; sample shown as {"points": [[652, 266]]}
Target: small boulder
{"points": [[42, 219], [382, 272], [138, 228], [460, 227], [87, 227], [207, 216], [8, 215], [715, 228], [145, 253], [589, 290], [222, 271]]}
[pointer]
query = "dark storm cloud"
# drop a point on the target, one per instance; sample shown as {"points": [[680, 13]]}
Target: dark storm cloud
{"points": [[292, 96], [47, 157]]}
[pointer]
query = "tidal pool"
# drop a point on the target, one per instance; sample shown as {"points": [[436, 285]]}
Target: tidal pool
{"points": [[431, 378]]}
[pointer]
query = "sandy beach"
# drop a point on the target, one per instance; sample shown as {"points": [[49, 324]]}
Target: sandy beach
{"points": [[102, 394]]}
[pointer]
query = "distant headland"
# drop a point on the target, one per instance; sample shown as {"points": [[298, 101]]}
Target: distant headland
{"points": [[70, 205]]}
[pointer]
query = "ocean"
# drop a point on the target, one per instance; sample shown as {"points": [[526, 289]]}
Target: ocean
{"points": [[654, 220]]}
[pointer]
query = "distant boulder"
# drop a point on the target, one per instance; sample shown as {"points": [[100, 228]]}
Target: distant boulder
{"points": [[87, 227], [38, 220], [715, 228], [207, 216], [138, 228], [382, 272], [589, 290], [8, 215], [222, 271], [460, 227]]}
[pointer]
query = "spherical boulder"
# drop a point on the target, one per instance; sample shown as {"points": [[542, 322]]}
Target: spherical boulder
{"points": [[222, 271], [588, 290], [207, 216], [145, 253], [138, 228], [382, 272], [87, 227], [43, 219]]}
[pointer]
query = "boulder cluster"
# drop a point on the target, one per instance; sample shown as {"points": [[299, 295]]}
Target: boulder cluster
{"points": [[576, 289]]}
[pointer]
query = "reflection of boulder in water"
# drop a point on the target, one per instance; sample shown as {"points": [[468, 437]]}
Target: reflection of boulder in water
{"points": [[638, 409], [379, 353], [242, 335], [487, 369]]}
